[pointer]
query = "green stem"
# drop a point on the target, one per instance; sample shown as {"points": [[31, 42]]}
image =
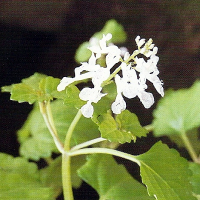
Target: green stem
{"points": [[189, 147], [51, 128], [111, 76], [66, 160], [66, 177], [88, 143], [106, 151], [149, 127], [70, 130], [50, 117]]}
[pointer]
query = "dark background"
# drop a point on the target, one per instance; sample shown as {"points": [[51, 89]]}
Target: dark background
{"points": [[42, 36]]}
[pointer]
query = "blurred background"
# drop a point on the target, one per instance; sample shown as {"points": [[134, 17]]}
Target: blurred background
{"points": [[42, 36]]}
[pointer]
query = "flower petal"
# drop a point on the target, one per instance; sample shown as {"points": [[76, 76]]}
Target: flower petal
{"points": [[146, 98], [118, 105], [87, 110]]}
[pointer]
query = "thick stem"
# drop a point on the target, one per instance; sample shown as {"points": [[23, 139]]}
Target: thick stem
{"points": [[189, 147], [66, 160], [106, 151], [70, 131], [66, 177]]}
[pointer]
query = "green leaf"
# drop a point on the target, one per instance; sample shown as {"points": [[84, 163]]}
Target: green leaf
{"points": [[24, 93], [104, 105], [118, 36], [116, 29], [34, 80], [37, 87], [28, 90], [51, 177], [36, 141], [48, 86], [193, 137], [21, 180], [72, 97], [111, 180], [178, 112], [83, 53], [109, 130], [76, 163], [6, 88], [128, 122], [195, 179], [165, 173], [125, 128]]}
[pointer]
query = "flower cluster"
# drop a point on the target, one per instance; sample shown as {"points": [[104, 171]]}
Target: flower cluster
{"points": [[135, 71]]}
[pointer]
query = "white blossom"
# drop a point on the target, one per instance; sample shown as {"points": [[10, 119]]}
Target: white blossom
{"points": [[87, 110], [119, 104], [148, 70], [91, 95], [130, 84], [139, 41]]}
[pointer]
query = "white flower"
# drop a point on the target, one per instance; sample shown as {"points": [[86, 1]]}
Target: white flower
{"points": [[102, 47], [135, 72], [130, 87], [91, 67], [148, 70], [139, 41], [113, 56], [87, 110], [146, 98], [91, 95], [119, 104], [129, 81]]}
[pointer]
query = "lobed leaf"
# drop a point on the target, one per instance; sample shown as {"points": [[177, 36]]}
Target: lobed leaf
{"points": [[128, 122], [50, 176], [178, 112], [21, 180], [125, 128], [111, 180], [195, 178], [72, 97], [116, 29], [28, 90], [37, 87], [165, 173], [118, 36]]}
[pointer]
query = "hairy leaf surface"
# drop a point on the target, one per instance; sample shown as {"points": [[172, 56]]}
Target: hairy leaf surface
{"points": [[111, 180], [165, 173]]}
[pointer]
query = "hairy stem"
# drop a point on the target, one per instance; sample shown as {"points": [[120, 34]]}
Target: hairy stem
{"points": [[189, 147], [43, 109], [88, 143], [149, 127], [70, 131], [66, 160], [66, 177], [106, 151]]}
